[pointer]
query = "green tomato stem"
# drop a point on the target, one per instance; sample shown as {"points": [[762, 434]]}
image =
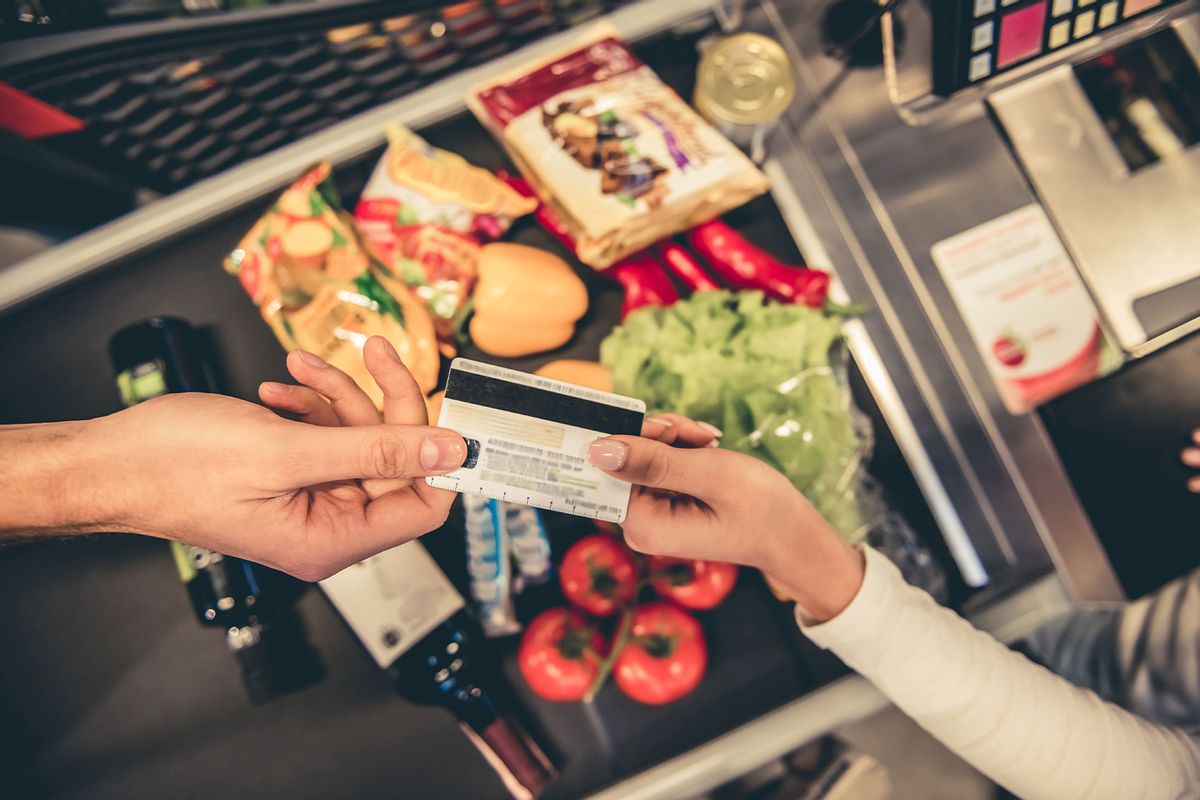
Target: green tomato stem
{"points": [[619, 642]]}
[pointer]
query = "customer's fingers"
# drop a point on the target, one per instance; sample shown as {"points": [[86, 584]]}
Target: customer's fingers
{"points": [[1191, 456], [351, 403], [308, 454], [309, 406], [403, 403], [680, 431], [645, 462], [396, 517], [381, 524]]}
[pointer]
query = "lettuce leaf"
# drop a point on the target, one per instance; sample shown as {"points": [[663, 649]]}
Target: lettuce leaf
{"points": [[767, 374]]}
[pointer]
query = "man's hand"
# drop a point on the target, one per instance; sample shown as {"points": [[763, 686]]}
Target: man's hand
{"points": [[229, 475], [718, 505]]}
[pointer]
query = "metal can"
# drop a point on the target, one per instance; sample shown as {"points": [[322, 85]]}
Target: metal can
{"points": [[744, 83]]}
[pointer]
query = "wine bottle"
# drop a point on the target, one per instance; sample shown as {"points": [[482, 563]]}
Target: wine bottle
{"points": [[414, 624], [250, 603]]}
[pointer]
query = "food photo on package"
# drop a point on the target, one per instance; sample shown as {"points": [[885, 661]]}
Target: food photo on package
{"points": [[527, 438]]}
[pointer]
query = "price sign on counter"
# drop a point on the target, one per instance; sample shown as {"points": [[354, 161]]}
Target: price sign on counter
{"points": [[1026, 307]]}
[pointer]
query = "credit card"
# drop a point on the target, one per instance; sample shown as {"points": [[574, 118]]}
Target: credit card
{"points": [[527, 439]]}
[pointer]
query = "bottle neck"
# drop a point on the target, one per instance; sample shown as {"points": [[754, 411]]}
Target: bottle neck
{"points": [[444, 670]]}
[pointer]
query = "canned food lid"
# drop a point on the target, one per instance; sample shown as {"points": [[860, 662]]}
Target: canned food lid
{"points": [[744, 79]]}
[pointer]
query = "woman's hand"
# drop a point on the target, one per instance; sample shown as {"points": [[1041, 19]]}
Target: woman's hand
{"points": [[718, 505]]}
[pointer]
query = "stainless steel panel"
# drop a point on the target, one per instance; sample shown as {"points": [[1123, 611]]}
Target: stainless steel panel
{"points": [[1131, 234]]}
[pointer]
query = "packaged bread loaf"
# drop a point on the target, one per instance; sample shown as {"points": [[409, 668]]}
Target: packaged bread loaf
{"points": [[312, 279], [612, 149]]}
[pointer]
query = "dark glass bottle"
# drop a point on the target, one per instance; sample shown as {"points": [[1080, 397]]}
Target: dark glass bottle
{"points": [[415, 625], [250, 603]]}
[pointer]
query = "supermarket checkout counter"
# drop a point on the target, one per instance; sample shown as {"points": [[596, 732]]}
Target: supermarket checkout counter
{"points": [[157, 705]]}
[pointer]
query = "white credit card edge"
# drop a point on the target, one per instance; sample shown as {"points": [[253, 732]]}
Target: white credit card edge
{"points": [[457, 484], [462, 487], [538, 382]]}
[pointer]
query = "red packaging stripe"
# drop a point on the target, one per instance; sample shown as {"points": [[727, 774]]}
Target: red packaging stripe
{"points": [[594, 63]]}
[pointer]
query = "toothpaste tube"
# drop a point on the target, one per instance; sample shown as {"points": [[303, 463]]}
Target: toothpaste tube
{"points": [[489, 565], [530, 545]]}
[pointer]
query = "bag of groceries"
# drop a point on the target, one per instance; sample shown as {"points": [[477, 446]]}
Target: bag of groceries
{"points": [[311, 277]]}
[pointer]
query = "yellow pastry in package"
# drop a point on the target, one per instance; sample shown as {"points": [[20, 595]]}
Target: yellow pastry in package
{"points": [[312, 279], [614, 151]]}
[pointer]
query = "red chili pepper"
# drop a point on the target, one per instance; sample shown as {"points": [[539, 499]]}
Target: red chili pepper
{"points": [[682, 265], [645, 282], [518, 184], [744, 266]]}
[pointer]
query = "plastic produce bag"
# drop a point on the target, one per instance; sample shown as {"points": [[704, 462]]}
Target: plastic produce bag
{"points": [[305, 268], [771, 376], [774, 378]]}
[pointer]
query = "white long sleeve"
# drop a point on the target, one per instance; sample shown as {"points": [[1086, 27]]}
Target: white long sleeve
{"points": [[1027, 729]]}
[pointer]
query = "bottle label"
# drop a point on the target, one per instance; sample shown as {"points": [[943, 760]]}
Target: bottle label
{"points": [[183, 561], [142, 382], [393, 599]]}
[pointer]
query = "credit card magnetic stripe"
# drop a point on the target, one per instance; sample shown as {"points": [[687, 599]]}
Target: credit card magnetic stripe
{"points": [[530, 400]]}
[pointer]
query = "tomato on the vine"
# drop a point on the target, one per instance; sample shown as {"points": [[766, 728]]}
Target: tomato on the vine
{"points": [[692, 583], [664, 657], [599, 575], [560, 655]]}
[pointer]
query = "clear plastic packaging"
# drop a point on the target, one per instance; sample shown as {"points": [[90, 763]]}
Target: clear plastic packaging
{"points": [[316, 286], [773, 377]]}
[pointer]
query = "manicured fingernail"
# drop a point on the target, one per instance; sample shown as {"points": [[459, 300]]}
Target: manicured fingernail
{"points": [[442, 453], [391, 352], [1191, 457], [272, 386], [654, 427], [713, 429], [608, 454], [311, 359], [714, 443]]}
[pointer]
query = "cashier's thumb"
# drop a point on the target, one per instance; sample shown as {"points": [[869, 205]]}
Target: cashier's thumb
{"points": [[317, 454]]}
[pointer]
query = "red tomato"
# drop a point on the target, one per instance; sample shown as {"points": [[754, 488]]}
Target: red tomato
{"points": [[691, 583], [599, 575], [560, 655], [665, 656]]}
